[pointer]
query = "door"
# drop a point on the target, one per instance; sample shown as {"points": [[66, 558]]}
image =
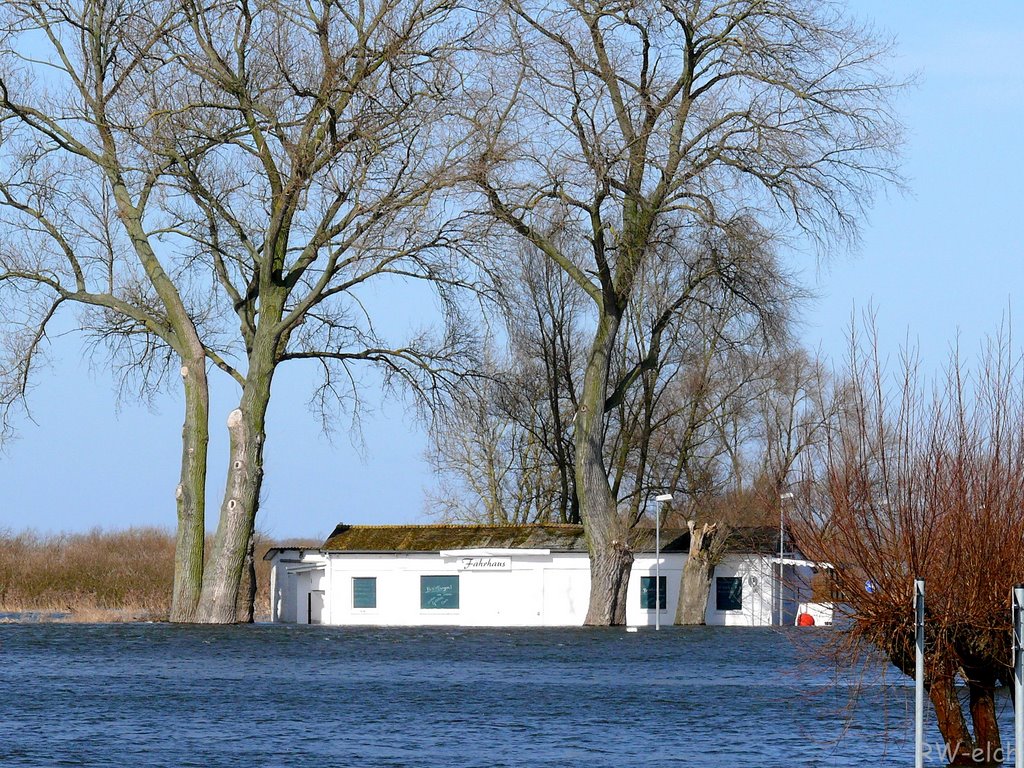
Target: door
{"points": [[315, 606]]}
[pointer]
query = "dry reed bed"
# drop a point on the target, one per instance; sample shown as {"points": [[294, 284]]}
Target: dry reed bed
{"points": [[100, 575]]}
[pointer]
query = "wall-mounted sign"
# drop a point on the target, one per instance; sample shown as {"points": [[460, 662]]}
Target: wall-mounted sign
{"points": [[485, 564], [439, 593]]}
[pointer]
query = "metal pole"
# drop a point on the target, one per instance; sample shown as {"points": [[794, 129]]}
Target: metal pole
{"points": [[657, 565], [782, 568], [919, 676], [782, 572], [658, 501], [1018, 676]]}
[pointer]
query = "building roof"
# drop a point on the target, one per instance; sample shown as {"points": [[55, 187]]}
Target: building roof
{"points": [[554, 537], [759, 539]]}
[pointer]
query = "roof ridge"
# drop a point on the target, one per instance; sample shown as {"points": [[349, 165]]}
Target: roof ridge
{"points": [[461, 525], [438, 537]]}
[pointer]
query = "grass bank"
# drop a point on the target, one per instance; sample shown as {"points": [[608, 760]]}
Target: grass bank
{"points": [[102, 575]]}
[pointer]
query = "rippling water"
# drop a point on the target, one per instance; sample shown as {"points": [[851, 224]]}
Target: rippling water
{"points": [[162, 695]]}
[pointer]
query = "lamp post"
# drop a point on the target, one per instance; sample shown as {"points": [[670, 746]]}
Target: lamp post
{"points": [[659, 500], [782, 539]]}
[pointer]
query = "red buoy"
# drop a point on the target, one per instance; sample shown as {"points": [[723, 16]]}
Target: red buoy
{"points": [[805, 620]]}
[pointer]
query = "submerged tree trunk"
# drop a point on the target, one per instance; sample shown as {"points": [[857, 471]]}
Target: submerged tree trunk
{"points": [[610, 564], [987, 740], [607, 532], [250, 567], [184, 338], [247, 431], [695, 584], [191, 493], [949, 716]]}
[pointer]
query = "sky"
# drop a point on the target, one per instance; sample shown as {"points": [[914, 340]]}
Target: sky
{"points": [[942, 262]]}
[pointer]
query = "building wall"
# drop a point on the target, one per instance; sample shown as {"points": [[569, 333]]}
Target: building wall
{"points": [[644, 565], [757, 586], [292, 581], [529, 590], [534, 590]]}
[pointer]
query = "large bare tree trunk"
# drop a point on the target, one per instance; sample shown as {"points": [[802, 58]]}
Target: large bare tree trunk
{"points": [[610, 565], [695, 584], [247, 430], [191, 490], [191, 493], [607, 532]]}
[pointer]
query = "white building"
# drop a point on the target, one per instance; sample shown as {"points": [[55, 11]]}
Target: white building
{"points": [[534, 575]]}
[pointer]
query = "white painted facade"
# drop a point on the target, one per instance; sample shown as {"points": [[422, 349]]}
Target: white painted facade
{"points": [[512, 588]]}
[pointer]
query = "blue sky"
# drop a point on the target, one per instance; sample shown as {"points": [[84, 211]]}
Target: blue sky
{"points": [[941, 262], [946, 258]]}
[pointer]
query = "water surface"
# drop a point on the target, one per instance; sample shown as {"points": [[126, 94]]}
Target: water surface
{"points": [[164, 695]]}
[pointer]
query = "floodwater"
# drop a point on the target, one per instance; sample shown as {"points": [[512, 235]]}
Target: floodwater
{"points": [[253, 696]]}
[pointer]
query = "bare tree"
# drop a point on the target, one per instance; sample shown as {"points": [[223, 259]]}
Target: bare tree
{"points": [[767, 407], [491, 466], [293, 154], [506, 453], [78, 196], [511, 443], [692, 327], [721, 408], [338, 149], [634, 128], [915, 480]]}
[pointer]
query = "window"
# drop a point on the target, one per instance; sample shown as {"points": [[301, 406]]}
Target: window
{"points": [[364, 592], [729, 593], [648, 592], [439, 592]]}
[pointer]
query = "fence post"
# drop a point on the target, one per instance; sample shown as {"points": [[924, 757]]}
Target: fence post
{"points": [[919, 674], [1018, 676]]}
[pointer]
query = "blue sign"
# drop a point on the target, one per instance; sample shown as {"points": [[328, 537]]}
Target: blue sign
{"points": [[870, 587]]}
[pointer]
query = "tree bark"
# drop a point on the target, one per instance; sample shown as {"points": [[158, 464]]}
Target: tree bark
{"points": [[949, 716], [987, 740], [607, 532], [247, 431], [610, 565], [695, 586], [191, 493], [250, 592]]}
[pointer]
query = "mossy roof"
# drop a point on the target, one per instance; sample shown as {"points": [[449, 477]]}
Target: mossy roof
{"points": [[435, 538], [558, 538], [553, 537]]}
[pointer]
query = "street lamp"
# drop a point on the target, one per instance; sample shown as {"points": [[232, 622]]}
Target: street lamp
{"points": [[782, 538], [659, 500]]}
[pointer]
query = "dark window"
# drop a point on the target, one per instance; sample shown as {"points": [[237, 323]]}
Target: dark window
{"points": [[364, 592], [729, 593], [439, 592], [647, 592]]}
